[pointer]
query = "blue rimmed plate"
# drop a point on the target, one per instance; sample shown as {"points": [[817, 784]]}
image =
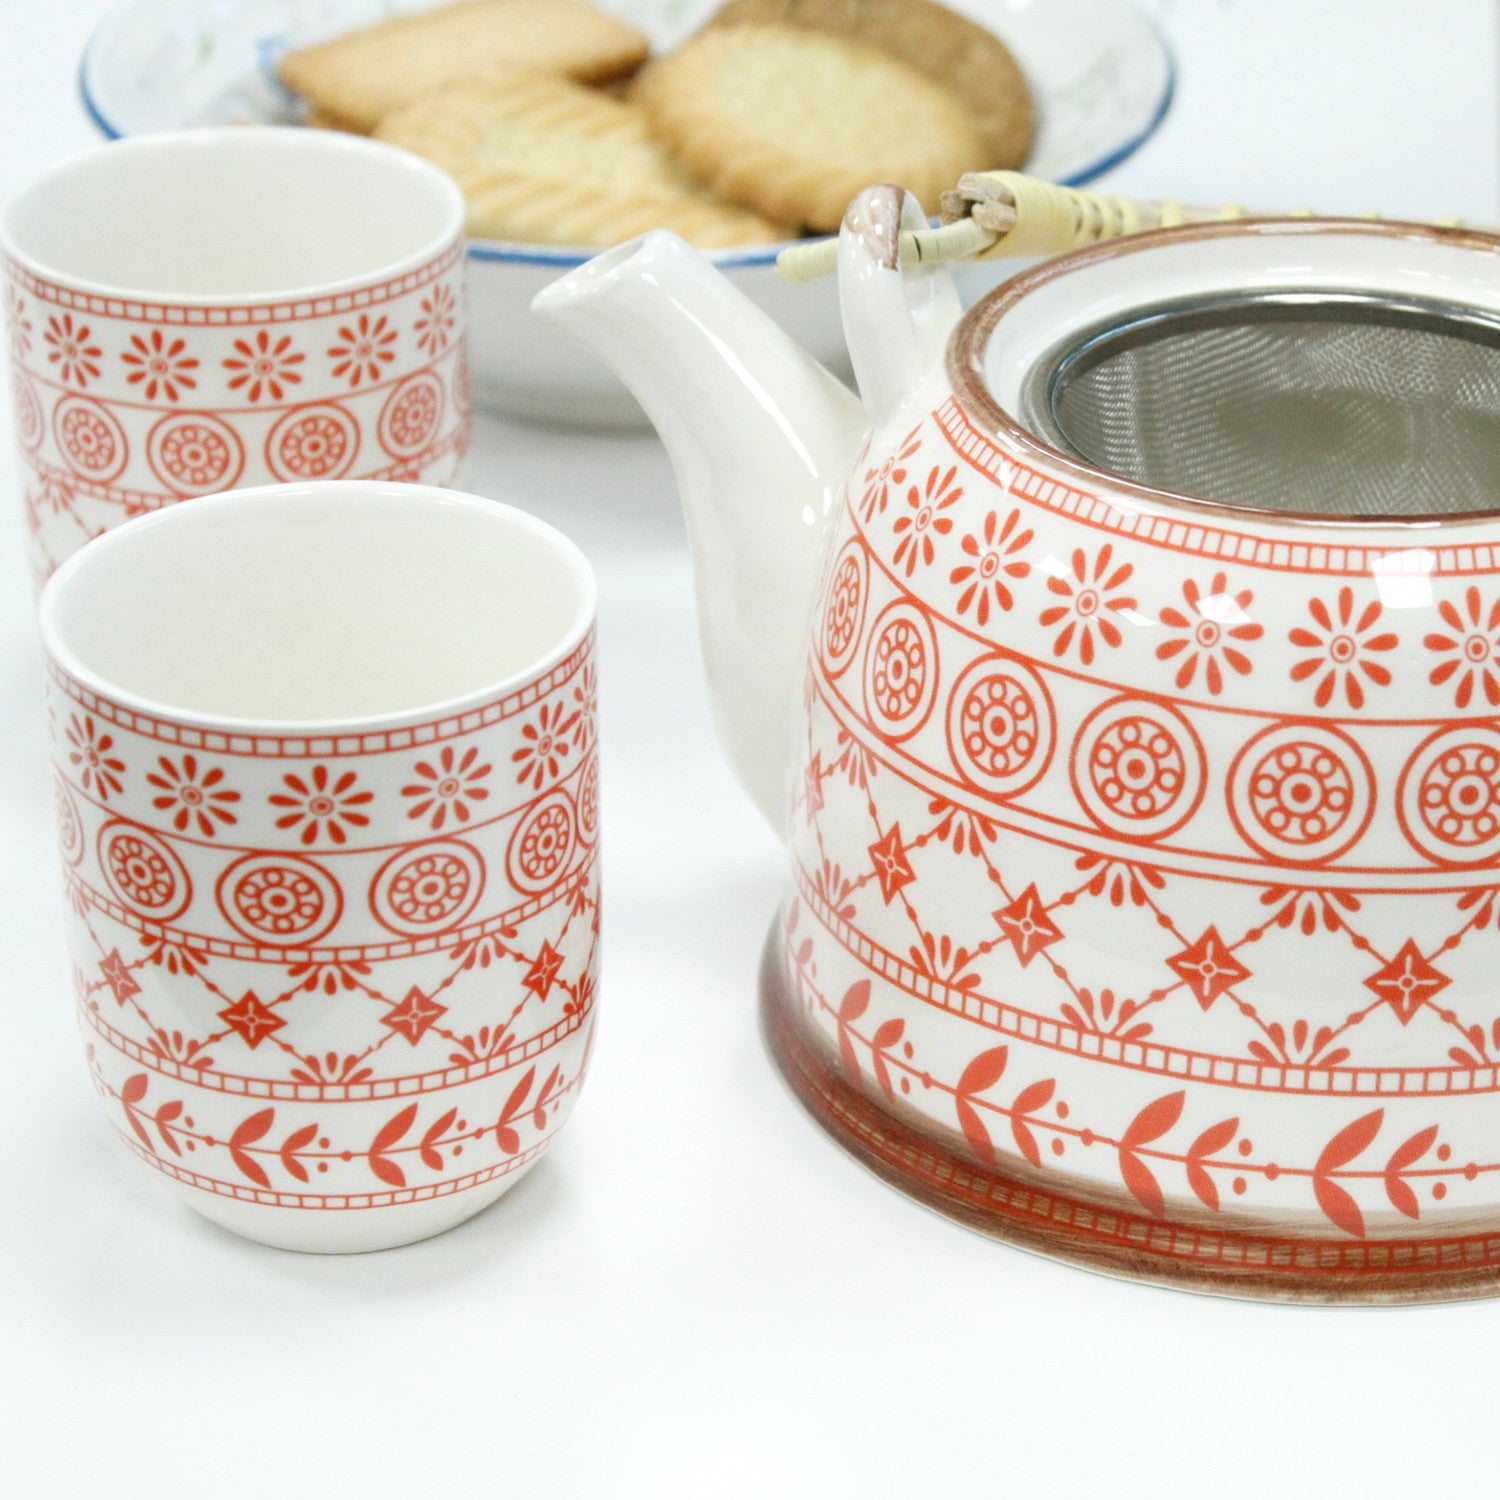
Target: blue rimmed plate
{"points": [[1100, 74]]}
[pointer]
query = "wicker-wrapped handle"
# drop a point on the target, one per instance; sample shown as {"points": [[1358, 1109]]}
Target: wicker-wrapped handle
{"points": [[994, 214]]}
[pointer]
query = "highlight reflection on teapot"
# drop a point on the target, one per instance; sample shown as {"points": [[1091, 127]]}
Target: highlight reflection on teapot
{"points": [[1124, 675]]}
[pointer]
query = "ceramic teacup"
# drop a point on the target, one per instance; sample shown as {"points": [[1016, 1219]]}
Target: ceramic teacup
{"points": [[327, 793], [196, 311]]}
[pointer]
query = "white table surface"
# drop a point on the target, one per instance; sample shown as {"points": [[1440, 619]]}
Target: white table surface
{"points": [[696, 1292]]}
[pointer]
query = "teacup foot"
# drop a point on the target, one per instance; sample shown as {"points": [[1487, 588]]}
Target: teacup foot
{"points": [[355, 1231]]}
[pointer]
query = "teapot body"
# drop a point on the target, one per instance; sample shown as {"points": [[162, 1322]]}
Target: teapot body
{"points": [[1146, 864]]}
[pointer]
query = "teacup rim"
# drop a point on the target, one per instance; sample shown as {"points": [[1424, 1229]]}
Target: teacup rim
{"points": [[577, 637], [450, 238]]}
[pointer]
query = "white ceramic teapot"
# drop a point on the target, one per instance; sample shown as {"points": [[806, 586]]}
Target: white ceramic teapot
{"points": [[1145, 849]]}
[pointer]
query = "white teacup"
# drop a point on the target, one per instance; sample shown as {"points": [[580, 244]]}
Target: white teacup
{"points": [[200, 310], [327, 791]]}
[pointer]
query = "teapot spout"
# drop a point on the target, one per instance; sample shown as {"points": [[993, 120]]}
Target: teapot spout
{"points": [[761, 439]]}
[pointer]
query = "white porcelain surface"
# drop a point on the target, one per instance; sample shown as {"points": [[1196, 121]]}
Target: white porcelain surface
{"points": [[1168, 812], [1100, 72], [327, 796], [760, 497], [691, 1226], [195, 311]]}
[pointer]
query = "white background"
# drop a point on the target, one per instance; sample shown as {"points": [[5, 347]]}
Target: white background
{"points": [[696, 1293]]}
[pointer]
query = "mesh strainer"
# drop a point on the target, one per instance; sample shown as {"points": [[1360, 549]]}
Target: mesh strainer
{"points": [[1316, 401], [1307, 401]]}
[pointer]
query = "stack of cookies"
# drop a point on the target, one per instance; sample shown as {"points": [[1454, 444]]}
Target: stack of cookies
{"points": [[561, 129]]}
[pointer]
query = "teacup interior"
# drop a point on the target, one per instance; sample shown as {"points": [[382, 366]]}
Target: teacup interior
{"points": [[317, 603], [249, 212]]}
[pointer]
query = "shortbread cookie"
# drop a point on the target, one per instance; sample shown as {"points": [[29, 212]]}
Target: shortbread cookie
{"points": [[360, 77], [546, 160], [972, 64], [317, 119], [794, 123]]}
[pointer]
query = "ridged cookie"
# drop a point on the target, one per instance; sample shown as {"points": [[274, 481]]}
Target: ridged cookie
{"points": [[360, 77], [546, 160], [972, 64], [794, 123]]}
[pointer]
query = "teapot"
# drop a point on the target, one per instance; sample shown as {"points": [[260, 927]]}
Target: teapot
{"points": [[1123, 674]]}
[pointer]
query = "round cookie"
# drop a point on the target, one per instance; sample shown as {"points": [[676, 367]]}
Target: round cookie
{"points": [[959, 55], [794, 122], [546, 160], [360, 77]]}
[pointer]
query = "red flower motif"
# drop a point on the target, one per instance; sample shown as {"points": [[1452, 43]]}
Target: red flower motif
{"points": [[253, 1020], [447, 787], [321, 805], [891, 471], [542, 974], [434, 327], [73, 350], [1217, 618], [546, 747], [1026, 924], [1341, 645], [99, 771], [892, 868], [1208, 968], [196, 799], [118, 977], [363, 350], [812, 786], [1472, 649], [586, 696], [992, 547], [916, 530], [159, 366], [414, 1015], [1408, 981], [1089, 592], [18, 323], [262, 368]]}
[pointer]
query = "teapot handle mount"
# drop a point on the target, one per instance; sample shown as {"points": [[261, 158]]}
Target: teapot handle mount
{"points": [[896, 318]]}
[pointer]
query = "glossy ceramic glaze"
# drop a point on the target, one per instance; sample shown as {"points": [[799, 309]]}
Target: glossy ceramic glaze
{"points": [[327, 792], [198, 311], [1101, 75], [1144, 894]]}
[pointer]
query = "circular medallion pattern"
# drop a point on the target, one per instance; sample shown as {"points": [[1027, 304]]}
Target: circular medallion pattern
{"points": [[1137, 768], [588, 801], [1000, 725], [542, 845], [844, 614], [1448, 798], [194, 453], [69, 824], [281, 899], [1303, 793], [428, 888], [91, 438], [901, 671], [143, 871], [409, 419], [27, 410], [313, 442]]}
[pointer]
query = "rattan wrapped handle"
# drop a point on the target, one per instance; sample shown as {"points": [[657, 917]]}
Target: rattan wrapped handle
{"points": [[994, 214]]}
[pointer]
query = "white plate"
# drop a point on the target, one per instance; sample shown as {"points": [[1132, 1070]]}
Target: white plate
{"points": [[1100, 74]]}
